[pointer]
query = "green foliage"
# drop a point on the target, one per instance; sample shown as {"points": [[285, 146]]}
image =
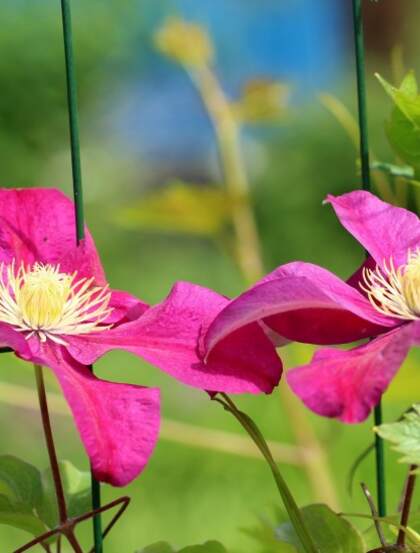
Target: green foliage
{"points": [[76, 486], [20, 495], [405, 435], [163, 547], [330, 532], [403, 128], [32, 76], [180, 207], [27, 497], [160, 547]]}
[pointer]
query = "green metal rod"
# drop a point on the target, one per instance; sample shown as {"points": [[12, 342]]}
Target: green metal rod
{"points": [[364, 154], [73, 119], [78, 201], [361, 91], [97, 520]]}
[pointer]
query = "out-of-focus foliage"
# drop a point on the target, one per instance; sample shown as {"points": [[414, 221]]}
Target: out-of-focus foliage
{"points": [[404, 435], [262, 101], [163, 547], [187, 43], [33, 118], [180, 207]]}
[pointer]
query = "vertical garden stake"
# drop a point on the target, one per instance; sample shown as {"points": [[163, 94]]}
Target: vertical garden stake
{"points": [[364, 155], [78, 200]]}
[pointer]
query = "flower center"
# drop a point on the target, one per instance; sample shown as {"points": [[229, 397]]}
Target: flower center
{"points": [[42, 300], [395, 292]]}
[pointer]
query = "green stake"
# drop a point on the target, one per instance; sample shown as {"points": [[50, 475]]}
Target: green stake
{"points": [[73, 118], [364, 155], [78, 200]]}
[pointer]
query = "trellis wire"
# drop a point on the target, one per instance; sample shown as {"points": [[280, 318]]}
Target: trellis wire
{"points": [[78, 200], [364, 155]]}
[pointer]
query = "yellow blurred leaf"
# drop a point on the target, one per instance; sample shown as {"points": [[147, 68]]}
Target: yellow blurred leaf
{"points": [[185, 42], [180, 208], [262, 101]]}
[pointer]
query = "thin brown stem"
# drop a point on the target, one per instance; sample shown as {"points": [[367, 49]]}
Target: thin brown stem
{"points": [[37, 540], [46, 423], [375, 515], [71, 538], [405, 513]]}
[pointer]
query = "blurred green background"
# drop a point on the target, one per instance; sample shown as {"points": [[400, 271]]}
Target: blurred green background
{"points": [[189, 492]]}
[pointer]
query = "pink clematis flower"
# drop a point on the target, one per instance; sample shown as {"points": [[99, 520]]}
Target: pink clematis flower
{"points": [[380, 302], [57, 310]]}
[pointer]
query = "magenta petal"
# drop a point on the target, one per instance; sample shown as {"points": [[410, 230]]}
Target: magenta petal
{"points": [[169, 335], [9, 338], [384, 230], [305, 303], [118, 423], [125, 307], [38, 225], [348, 384]]}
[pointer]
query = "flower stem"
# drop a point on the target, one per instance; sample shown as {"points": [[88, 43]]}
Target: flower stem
{"points": [[55, 470], [405, 513], [366, 183], [288, 500]]}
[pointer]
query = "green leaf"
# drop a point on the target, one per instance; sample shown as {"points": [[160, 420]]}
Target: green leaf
{"points": [[164, 547], [405, 435], [180, 208], [76, 486], [160, 547], [20, 517], [330, 532], [20, 494], [403, 128], [208, 547]]}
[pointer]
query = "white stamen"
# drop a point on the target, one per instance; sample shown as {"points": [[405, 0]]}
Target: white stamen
{"points": [[395, 292], [43, 301]]}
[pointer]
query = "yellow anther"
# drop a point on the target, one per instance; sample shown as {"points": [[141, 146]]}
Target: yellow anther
{"points": [[395, 292], [44, 301]]}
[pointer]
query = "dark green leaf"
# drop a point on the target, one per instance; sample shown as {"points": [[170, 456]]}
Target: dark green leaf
{"points": [[20, 494], [330, 532]]}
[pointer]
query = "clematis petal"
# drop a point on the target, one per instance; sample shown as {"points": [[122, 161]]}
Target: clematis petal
{"points": [[125, 307], [118, 423], [304, 303], [169, 335], [384, 230], [9, 338], [348, 384], [38, 225]]}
